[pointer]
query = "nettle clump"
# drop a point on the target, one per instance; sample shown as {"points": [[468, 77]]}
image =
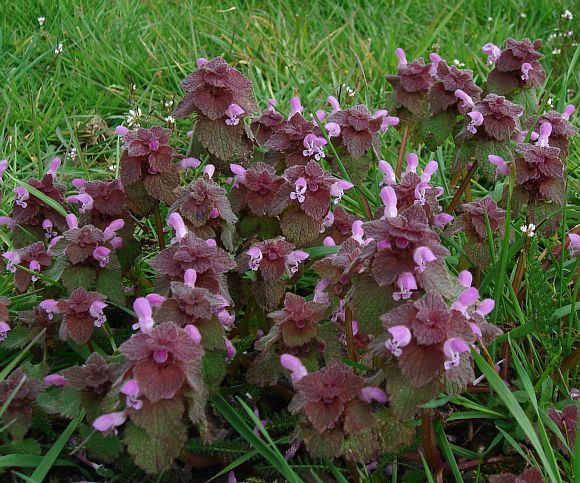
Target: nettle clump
{"points": [[296, 266]]}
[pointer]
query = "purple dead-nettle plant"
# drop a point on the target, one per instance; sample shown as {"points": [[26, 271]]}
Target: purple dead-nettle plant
{"points": [[450, 79], [255, 187], [94, 378], [412, 83], [336, 405], [205, 207], [4, 318], [493, 118], [561, 131], [267, 123], [516, 66], [33, 257], [272, 259]]}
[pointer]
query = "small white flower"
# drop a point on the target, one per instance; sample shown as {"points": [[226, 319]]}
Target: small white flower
{"points": [[41, 21], [523, 15], [458, 63], [112, 167], [552, 36], [169, 120], [556, 51], [490, 19], [350, 91], [550, 102], [567, 15], [58, 49], [569, 33], [133, 117], [528, 230], [133, 87], [73, 154], [168, 103]]}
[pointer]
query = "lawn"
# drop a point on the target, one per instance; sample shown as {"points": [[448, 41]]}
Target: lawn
{"points": [[72, 71]]}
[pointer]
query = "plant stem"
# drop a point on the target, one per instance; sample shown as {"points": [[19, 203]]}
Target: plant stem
{"points": [[429, 441], [462, 188], [349, 334], [402, 149], [159, 228]]}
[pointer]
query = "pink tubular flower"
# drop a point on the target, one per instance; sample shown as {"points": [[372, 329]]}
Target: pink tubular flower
{"points": [[501, 166], [187, 163], [53, 167], [233, 112], [420, 191], [358, 233], [131, 390], [101, 255], [230, 349], [3, 168], [56, 380], [327, 222], [190, 277], [389, 121], [239, 171], [295, 107], [412, 163], [108, 422], [299, 190], [406, 284], [294, 258], [422, 256], [329, 242], [369, 394], [175, 221], [12, 259], [442, 219], [400, 337], [545, 131], [492, 51], [121, 130], [295, 366], [430, 169], [400, 53], [452, 348], [338, 188], [332, 129], [389, 178], [96, 311], [568, 111], [320, 115], [155, 300], [333, 101], [209, 170], [314, 146], [526, 68], [49, 306], [476, 121], [465, 278], [47, 226], [193, 332], [389, 198], [574, 245], [485, 307], [6, 220], [142, 308], [71, 221], [85, 200], [466, 99], [22, 195], [4, 329], [465, 300], [320, 295], [201, 61], [113, 227], [255, 258]]}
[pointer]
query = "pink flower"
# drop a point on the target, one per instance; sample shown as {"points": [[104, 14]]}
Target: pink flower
{"points": [[338, 188], [358, 233], [239, 171], [295, 366], [299, 189], [4, 329], [389, 198], [328, 242], [501, 167], [574, 245], [327, 222], [400, 53], [71, 221], [142, 308], [389, 121], [465, 300], [492, 51], [369, 394], [96, 311], [568, 111], [209, 170], [314, 146], [545, 131], [412, 163], [333, 101], [50, 307], [452, 348], [56, 380], [320, 295], [442, 219], [3, 168], [476, 121], [84, 199], [233, 112], [113, 227], [294, 258], [332, 129], [255, 258], [101, 255], [108, 422], [131, 390], [6, 220], [430, 169], [485, 307], [406, 284], [47, 226], [187, 163], [230, 349], [389, 178], [467, 101], [422, 256], [465, 278], [53, 167], [121, 130], [22, 195], [526, 68], [155, 300], [13, 259], [401, 337], [175, 221], [193, 332], [295, 107]]}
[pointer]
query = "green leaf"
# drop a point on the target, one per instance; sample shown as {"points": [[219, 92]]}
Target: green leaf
{"points": [[109, 283], [214, 369], [17, 338], [101, 447], [369, 302], [434, 130], [74, 277], [299, 228], [63, 401]]}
